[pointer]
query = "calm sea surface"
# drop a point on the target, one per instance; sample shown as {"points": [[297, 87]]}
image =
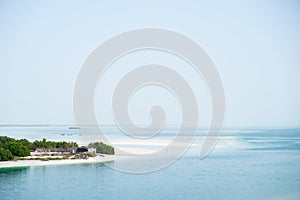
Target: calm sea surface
{"points": [[255, 164]]}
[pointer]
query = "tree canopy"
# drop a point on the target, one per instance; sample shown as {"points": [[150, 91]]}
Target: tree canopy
{"points": [[50, 144], [102, 148], [10, 147]]}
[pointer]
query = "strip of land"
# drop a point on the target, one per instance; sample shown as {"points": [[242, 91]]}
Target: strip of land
{"points": [[30, 163], [100, 158]]}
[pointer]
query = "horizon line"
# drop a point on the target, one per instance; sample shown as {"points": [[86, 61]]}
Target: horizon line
{"points": [[201, 127]]}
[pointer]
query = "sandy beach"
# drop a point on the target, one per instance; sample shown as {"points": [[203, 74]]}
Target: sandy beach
{"points": [[27, 163]]}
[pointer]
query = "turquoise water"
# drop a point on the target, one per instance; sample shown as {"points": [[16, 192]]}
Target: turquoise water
{"points": [[259, 164]]}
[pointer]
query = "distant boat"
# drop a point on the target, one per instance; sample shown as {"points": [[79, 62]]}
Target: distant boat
{"points": [[73, 127]]}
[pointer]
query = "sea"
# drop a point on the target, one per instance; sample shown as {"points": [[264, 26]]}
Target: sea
{"points": [[248, 163]]}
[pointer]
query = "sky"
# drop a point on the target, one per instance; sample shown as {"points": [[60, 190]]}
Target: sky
{"points": [[254, 45]]}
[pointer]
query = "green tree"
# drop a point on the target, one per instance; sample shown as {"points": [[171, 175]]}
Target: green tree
{"points": [[26, 143], [11, 147], [102, 148], [5, 155], [17, 149]]}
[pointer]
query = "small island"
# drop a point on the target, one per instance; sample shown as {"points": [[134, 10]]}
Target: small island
{"points": [[22, 152]]}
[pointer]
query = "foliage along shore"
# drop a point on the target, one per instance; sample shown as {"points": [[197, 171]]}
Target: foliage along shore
{"points": [[13, 149]]}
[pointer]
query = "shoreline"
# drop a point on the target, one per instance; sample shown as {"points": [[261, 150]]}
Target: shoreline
{"points": [[98, 159], [33, 163]]}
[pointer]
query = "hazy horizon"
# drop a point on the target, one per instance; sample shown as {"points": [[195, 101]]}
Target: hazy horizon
{"points": [[254, 45]]}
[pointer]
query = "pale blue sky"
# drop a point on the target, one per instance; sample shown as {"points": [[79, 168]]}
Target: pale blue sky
{"points": [[254, 44]]}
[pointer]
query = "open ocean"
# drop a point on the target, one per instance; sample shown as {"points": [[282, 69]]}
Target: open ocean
{"points": [[256, 164]]}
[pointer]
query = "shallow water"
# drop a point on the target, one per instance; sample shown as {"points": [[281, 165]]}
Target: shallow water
{"points": [[258, 164]]}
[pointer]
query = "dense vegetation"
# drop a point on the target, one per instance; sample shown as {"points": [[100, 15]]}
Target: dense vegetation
{"points": [[102, 148], [5, 154], [10, 147], [50, 144]]}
